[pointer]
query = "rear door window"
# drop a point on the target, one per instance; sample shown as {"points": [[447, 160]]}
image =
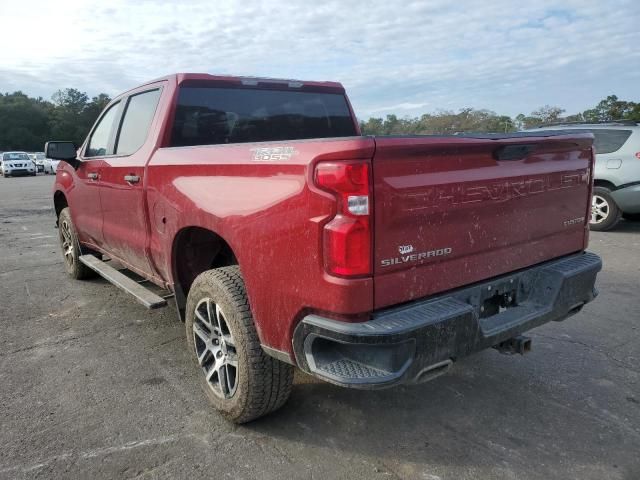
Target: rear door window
{"points": [[609, 141], [215, 115], [136, 121]]}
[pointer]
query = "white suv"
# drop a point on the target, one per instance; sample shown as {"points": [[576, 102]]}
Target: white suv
{"points": [[616, 186], [17, 163]]}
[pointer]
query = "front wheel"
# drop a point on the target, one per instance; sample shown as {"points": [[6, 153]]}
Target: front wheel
{"points": [[605, 214], [240, 380], [71, 247]]}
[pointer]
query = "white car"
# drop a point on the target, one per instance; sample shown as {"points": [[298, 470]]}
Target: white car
{"points": [[40, 160], [50, 166], [17, 163]]}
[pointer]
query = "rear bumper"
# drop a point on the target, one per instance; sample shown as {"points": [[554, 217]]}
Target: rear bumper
{"points": [[628, 198], [419, 340]]}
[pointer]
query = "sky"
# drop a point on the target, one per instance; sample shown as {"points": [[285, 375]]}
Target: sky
{"points": [[403, 57]]}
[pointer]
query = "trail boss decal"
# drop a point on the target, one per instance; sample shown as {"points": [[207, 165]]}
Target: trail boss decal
{"points": [[414, 257], [273, 154]]}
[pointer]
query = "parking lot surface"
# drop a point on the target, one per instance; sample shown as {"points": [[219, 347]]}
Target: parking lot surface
{"points": [[92, 385]]}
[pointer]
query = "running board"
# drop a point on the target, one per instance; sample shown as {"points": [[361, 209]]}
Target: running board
{"points": [[145, 296]]}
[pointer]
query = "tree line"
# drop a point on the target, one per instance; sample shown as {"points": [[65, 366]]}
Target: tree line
{"points": [[480, 120], [26, 123]]}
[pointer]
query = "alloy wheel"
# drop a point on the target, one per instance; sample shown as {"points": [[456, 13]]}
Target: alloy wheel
{"points": [[67, 242], [215, 348], [600, 209]]}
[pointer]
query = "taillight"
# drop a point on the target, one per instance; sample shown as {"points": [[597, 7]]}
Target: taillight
{"points": [[638, 155], [347, 237]]}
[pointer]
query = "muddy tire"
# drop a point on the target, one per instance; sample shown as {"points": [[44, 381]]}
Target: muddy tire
{"points": [[605, 214], [240, 380], [71, 248]]}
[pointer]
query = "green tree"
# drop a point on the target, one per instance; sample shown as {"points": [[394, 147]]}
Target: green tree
{"points": [[578, 117], [612, 108], [441, 122], [24, 122], [93, 109], [548, 114], [67, 121]]}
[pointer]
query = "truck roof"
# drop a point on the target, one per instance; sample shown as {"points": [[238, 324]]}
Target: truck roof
{"points": [[248, 81]]}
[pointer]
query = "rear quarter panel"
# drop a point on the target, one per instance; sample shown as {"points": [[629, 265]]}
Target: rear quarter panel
{"points": [[271, 216]]}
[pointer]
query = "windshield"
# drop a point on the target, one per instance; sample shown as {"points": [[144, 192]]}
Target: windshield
{"points": [[15, 156], [40, 156]]}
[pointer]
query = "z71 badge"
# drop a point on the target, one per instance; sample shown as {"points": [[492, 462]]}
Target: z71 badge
{"points": [[273, 154]]}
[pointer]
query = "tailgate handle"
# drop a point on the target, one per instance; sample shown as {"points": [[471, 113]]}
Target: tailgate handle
{"points": [[513, 152], [131, 178]]}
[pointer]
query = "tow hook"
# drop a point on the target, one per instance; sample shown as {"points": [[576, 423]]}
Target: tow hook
{"points": [[519, 344]]}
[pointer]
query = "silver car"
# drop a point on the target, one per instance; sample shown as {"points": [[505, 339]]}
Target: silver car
{"points": [[616, 190]]}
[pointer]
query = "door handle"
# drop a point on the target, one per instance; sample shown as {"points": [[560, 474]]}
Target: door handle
{"points": [[131, 178], [92, 176]]}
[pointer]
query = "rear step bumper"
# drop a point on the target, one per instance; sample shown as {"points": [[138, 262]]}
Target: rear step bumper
{"points": [[418, 341]]}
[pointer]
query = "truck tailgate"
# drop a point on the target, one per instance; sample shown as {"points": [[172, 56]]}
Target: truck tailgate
{"points": [[450, 211]]}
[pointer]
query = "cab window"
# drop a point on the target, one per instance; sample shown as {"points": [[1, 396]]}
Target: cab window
{"points": [[98, 145], [136, 122]]}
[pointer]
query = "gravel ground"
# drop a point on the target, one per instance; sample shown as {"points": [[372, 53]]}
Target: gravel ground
{"points": [[93, 385]]}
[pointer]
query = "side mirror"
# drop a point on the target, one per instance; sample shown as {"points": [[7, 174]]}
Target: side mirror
{"points": [[65, 151]]}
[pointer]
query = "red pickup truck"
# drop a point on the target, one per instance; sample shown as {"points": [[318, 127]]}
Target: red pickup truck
{"points": [[286, 238]]}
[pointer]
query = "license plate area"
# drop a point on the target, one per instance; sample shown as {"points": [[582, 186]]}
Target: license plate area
{"points": [[498, 299]]}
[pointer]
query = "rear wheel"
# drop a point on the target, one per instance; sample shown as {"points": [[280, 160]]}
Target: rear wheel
{"points": [[605, 214], [71, 248], [240, 380]]}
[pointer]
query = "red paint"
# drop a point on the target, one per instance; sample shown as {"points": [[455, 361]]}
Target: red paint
{"points": [[430, 193], [496, 216]]}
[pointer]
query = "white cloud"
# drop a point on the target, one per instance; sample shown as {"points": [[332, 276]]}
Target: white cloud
{"points": [[401, 106], [391, 55]]}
